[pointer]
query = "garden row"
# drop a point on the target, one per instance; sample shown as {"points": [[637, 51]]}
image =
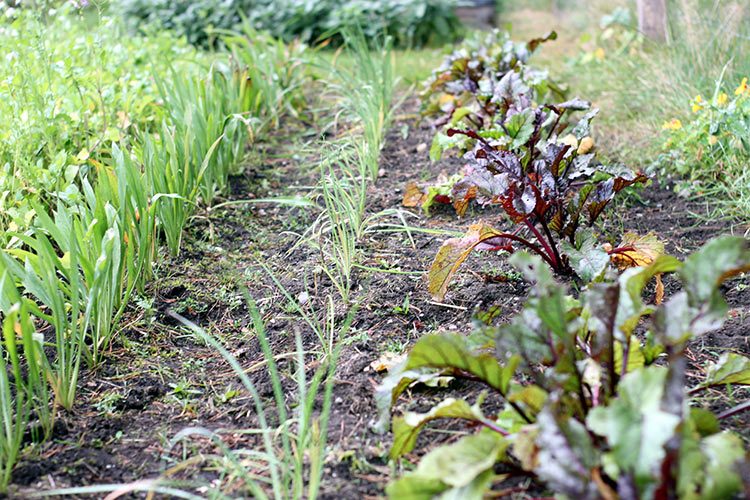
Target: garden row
{"points": [[592, 376], [106, 163], [110, 143]]}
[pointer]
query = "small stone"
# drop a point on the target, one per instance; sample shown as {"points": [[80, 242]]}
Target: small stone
{"points": [[339, 400], [421, 147], [303, 298]]}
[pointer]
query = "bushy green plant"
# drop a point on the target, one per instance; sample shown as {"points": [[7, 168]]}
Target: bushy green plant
{"points": [[592, 407], [710, 148], [95, 194], [549, 186], [409, 23], [70, 89], [189, 18]]}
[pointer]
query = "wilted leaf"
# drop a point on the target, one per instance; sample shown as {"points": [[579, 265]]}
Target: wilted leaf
{"points": [[387, 361], [455, 251], [637, 250], [535, 42], [397, 381], [413, 196]]}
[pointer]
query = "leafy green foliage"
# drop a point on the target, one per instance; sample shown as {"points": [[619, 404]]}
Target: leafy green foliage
{"points": [[710, 147], [102, 165], [71, 89], [409, 23], [588, 410]]}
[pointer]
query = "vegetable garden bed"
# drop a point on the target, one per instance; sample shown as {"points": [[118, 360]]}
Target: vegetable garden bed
{"points": [[261, 269], [163, 380]]}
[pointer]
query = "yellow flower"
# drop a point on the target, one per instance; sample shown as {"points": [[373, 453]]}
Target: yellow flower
{"points": [[697, 104], [742, 87], [712, 140], [599, 54], [722, 99], [673, 124]]}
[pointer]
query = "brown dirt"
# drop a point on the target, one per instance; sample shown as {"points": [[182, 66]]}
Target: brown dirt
{"points": [[159, 378]]}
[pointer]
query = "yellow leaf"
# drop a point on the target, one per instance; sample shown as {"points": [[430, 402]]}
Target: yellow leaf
{"points": [[453, 253], [570, 140], [387, 361], [413, 196], [83, 155], [636, 250], [587, 144]]}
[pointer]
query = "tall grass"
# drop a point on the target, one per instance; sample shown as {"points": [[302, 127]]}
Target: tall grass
{"points": [[639, 90], [276, 72]]}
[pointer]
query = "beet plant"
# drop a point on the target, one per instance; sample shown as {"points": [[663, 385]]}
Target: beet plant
{"points": [[593, 389], [549, 185], [484, 78]]}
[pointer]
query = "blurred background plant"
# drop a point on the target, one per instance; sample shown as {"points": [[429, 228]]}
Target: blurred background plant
{"points": [[408, 22]]}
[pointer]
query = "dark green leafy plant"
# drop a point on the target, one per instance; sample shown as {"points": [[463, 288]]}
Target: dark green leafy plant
{"points": [[592, 408], [408, 23], [548, 187]]}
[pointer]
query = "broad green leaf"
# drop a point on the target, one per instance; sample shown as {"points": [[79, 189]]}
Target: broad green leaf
{"points": [[635, 426], [730, 368], [588, 259], [459, 114], [415, 487], [705, 421], [406, 428], [476, 489], [531, 396], [708, 466], [635, 356], [722, 451], [462, 470], [458, 464], [520, 127], [717, 261], [452, 351], [630, 306]]}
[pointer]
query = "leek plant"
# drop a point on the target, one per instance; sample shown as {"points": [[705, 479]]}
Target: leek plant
{"points": [[293, 451], [275, 70], [19, 393], [366, 87], [207, 132]]}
